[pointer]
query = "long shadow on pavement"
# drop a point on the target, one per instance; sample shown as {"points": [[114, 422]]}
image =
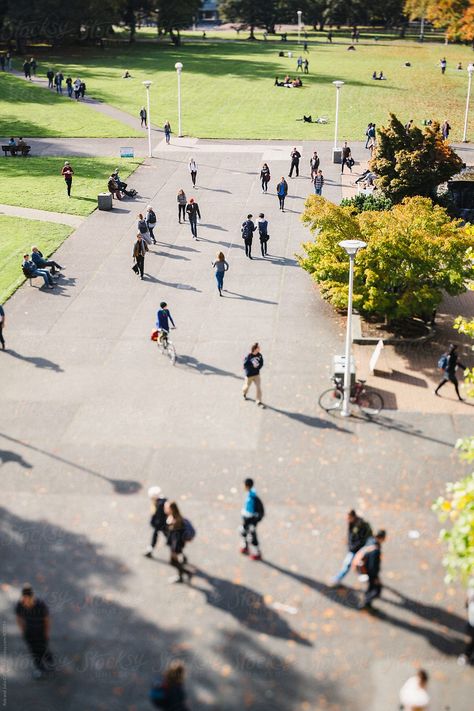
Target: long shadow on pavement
{"points": [[37, 361], [235, 295], [205, 368], [390, 424], [121, 486], [247, 606], [308, 420]]}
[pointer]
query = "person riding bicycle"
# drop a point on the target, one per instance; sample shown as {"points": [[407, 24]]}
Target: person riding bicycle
{"points": [[163, 317]]}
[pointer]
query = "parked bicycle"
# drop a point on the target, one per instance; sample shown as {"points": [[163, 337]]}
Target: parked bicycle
{"points": [[368, 401], [166, 346]]}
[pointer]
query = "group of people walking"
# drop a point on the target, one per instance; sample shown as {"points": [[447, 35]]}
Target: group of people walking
{"points": [[76, 87]]}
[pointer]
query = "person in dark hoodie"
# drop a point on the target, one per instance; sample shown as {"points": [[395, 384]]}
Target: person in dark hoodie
{"points": [[253, 363], [159, 514], [449, 363], [247, 229], [371, 562], [358, 531]]}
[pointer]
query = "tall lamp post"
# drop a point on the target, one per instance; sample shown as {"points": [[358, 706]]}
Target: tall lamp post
{"points": [[470, 70], [299, 13], [351, 247], [179, 68], [336, 153], [147, 85]]}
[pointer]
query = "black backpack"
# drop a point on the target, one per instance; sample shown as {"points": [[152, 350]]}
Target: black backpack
{"points": [[142, 227], [246, 230], [259, 508]]}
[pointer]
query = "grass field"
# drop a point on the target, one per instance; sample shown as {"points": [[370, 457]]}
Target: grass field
{"points": [[228, 92], [27, 110], [37, 182], [17, 237]]}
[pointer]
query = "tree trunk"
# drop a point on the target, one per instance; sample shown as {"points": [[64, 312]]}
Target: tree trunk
{"points": [[133, 29], [175, 38], [252, 32]]}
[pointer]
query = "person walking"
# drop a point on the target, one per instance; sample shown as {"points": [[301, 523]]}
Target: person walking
{"points": [[142, 114], [306, 66], [140, 248], [31, 271], [159, 513], [82, 89], [413, 694], [58, 82], [252, 513], [247, 230], [167, 130], [358, 532], [77, 88], [265, 177], [295, 156], [50, 76], [448, 363], [32, 616], [262, 225], [2, 326], [33, 66], [41, 263], [176, 542], [143, 230], [314, 163], [318, 183], [69, 86], [443, 64], [220, 267], [67, 172], [367, 134], [27, 69], [346, 158], [299, 64], [369, 560], [282, 192], [181, 198], [150, 219], [467, 657], [253, 363], [168, 692], [193, 170], [193, 212], [445, 129]]}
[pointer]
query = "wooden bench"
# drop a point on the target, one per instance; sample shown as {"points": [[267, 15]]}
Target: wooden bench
{"points": [[14, 150]]}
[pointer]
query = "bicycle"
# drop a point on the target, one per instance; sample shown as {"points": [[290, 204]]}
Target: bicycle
{"points": [[368, 401], [166, 346]]}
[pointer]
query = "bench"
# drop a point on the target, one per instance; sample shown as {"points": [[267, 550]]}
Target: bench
{"points": [[14, 150]]}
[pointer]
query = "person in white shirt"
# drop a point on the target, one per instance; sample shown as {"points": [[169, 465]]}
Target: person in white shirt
{"points": [[193, 170], [413, 694]]}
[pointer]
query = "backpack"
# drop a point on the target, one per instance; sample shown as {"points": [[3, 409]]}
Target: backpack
{"points": [[142, 227], [159, 694], [27, 272], [189, 531], [259, 508], [443, 362], [246, 230]]}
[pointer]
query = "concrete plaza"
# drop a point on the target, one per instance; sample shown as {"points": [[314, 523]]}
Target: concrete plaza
{"points": [[92, 416]]}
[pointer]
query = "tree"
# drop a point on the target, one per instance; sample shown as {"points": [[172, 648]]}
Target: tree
{"points": [[175, 16], [253, 13], [414, 253], [412, 162], [364, 203], [448, 15]]}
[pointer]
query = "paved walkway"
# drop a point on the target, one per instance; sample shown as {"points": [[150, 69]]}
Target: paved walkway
{"points": [[92, 415], [43, 215]]}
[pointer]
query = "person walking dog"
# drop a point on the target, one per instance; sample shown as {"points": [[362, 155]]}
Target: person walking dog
{"points": [[220, 266], [253, 363]]}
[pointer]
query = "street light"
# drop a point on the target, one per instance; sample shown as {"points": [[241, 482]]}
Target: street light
{"points": [[179, 68], [299, 13], [147, 85], [335, 155], [470, 70], [351, 247]]}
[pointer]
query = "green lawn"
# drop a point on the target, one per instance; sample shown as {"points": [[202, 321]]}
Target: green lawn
{"points": [[37, 182], [228, 91], [28, 110], [17, 237]]}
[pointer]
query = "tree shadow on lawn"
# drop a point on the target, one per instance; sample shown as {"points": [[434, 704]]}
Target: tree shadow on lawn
{"points": [[107, 653]]}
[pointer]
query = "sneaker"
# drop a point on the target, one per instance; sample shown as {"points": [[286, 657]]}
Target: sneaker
{"points": [[260, 404], [462, 660], [256, 556], [148, 554], [244, 396], [244, 551], [175, 579]]}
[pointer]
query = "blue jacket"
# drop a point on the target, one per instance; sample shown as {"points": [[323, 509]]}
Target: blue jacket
{"points": [[38, 259], [162, 317], [249, 509]]}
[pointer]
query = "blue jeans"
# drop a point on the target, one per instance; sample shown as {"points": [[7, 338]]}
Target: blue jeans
{"points": [[220, 280], [193, 225], [346, 566], [318, 191]]}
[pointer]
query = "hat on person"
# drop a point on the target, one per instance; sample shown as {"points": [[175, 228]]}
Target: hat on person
{"points": [[27, 590], [66, 162], [154, 492]]}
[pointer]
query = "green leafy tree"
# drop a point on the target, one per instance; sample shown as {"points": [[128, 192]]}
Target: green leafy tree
{"points": [[253, 13], [175, 16], [365, 203], [414, 253], [412, 162]]}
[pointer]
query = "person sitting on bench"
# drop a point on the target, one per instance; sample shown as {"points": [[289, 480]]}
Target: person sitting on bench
{"points": [[121, 185], [113, 188], [30, 270], [42, 263]]}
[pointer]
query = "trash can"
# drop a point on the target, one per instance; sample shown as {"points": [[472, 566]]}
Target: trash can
{"points": [[338, 368], [104, 201], [337, 155]]}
